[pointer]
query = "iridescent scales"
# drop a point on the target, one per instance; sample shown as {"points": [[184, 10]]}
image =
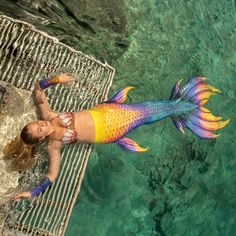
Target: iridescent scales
{"points": [[112, 121]]}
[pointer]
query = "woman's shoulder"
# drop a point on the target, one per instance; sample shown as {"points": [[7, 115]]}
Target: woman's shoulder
{"points": [[51, 115], [54, 144]]}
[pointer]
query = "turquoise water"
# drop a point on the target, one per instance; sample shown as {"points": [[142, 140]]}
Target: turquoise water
{"points": [[182, 185]]}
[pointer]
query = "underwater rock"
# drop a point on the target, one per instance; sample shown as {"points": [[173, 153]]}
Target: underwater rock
{"points": [[16, 110], [10, 101], [96, 28]]}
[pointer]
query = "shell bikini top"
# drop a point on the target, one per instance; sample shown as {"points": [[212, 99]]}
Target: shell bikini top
{"points": [[70, 135]]}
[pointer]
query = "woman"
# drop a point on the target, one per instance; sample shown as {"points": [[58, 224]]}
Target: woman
{"points": [[110, 121]]}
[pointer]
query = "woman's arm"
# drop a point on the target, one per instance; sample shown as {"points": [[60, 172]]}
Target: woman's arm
{"points": [[54, 160], [53, 170], [42, 102], [40, 97]]}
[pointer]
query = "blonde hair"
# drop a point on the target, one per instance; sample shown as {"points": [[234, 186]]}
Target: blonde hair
{"points": [[19, 155]]}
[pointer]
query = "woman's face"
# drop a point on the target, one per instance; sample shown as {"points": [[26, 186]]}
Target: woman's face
{"points": [[39, 129]]}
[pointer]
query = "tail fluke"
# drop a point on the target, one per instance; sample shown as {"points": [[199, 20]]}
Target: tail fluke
{"points": [[200, 120]]}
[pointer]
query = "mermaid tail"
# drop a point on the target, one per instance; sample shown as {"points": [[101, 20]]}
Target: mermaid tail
{"points": [[199, 121], [113, 120]]}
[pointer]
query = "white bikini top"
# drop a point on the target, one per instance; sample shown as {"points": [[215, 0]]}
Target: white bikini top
{"points": [[70, 135]]}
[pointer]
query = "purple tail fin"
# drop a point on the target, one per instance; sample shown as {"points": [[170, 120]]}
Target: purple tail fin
{"points": [[200, 121]]}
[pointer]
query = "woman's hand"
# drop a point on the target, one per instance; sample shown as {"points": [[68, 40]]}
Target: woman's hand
{"points": [[37, 86], [65, 78], [18, 196]]}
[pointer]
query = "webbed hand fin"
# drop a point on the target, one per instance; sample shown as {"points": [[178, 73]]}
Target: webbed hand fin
{"points": [[120, 95], [130, 145]]}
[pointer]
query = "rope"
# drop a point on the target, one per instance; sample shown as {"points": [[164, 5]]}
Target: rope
{"points": [[27, 54]]}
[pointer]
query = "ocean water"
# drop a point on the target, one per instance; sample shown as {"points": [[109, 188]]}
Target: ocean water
{"points": [[183, 185]]}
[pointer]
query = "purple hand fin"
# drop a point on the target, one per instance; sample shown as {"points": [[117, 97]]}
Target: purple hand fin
{"points": [[120, 96], [130, 145]]}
